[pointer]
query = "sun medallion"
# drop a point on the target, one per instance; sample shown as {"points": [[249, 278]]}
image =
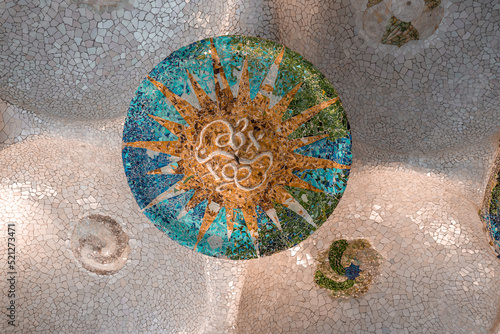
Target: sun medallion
{"points": [[236, 147]]}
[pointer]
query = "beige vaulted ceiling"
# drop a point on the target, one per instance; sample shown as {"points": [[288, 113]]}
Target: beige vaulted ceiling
{"points": [[425, 122]]}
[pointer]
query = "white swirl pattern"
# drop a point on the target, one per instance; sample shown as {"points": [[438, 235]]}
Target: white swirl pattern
{"points": [[238, 169], [100, 244]]}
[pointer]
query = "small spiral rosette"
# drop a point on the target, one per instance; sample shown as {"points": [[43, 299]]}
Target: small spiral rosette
{"points": [[100, 245], [396, 22], [348, 268]]}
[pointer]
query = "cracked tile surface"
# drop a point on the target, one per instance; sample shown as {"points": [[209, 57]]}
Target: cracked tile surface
{"points": [[425, 125]]}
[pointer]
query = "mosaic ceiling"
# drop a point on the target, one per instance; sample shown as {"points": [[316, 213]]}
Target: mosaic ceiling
{"points": [[397, 22], [425, 123], [236, 147]]}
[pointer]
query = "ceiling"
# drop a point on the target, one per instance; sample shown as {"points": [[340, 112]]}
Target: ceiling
{"points": [[84, 60]]}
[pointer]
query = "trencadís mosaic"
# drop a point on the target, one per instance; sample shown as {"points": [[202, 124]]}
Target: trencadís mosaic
{"points": [[491, 214], [396, 22], [236, 147], [100, 244], [348, 268]]}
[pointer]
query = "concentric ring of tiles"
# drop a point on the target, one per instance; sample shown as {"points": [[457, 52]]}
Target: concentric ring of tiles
{"points": [[236, 147]]}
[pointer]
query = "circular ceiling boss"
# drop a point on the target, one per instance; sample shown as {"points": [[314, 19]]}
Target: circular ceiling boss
{"points": [[236, 147]]}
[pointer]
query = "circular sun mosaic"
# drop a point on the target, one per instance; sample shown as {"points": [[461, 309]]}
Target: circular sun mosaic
{"points": [[236, 147]]}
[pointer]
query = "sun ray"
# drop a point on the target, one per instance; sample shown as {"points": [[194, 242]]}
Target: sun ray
{"points": [[267, 201], [251, 220], [267, 86], [229, 221], [301, 162], [291, 124], [176, 128], [192, 203], [283, 197], [273, 215], [297, 182], [175, 190], [205, 101], [211, 213], [169, 193], [270, 211], [244, 86], [250, 217], [280, 108], [156, 172], [298, 143], [186, 110], [165, 170], [189, 181], [199, 196], [222, 88], [168, 147]]}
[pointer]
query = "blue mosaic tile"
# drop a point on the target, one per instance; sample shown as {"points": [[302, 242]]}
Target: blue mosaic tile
{"points": [[148, 187], [150, 160], [215, 241]]}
